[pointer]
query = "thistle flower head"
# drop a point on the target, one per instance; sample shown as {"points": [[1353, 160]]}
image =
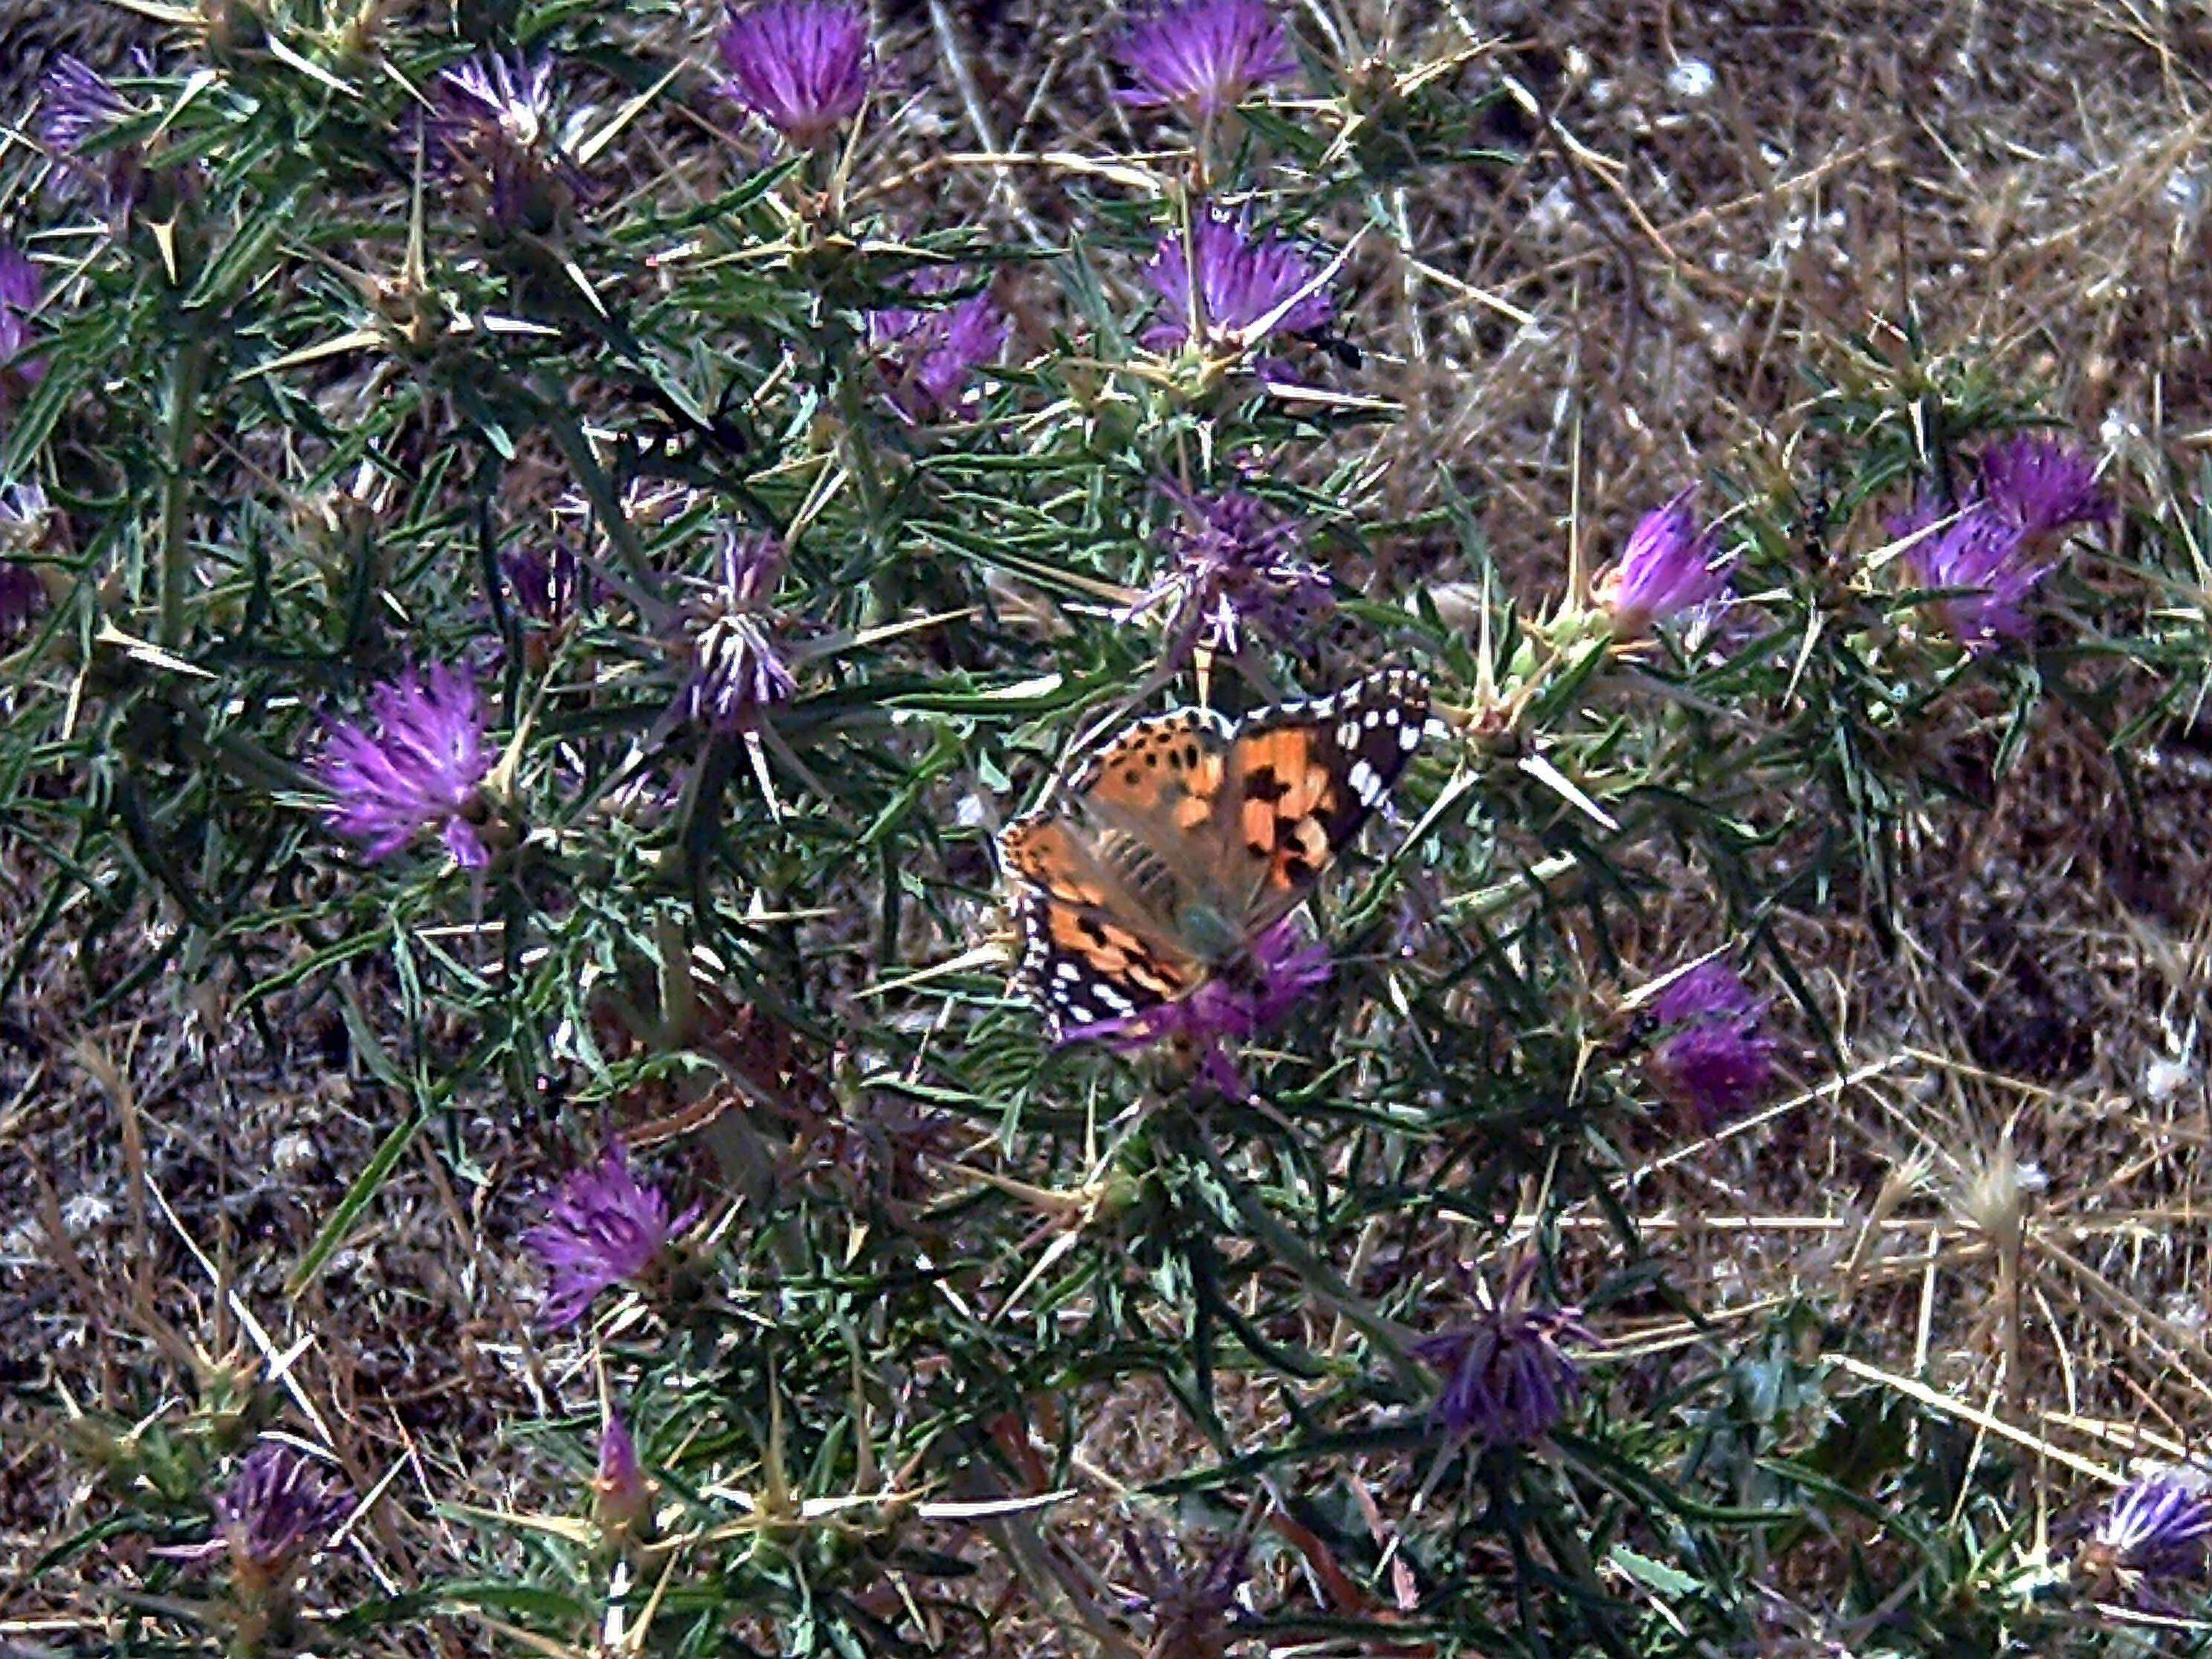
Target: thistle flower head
{"points": [[601, 1227], [1987, 559], [78, 108], [2040, 483], [1668, 567], [542, 589], [278, 1510], [620, 1494], [929, 354], [1713, 1059], [1239, 570], [1204, 56], [418, 765], [1241, 280], [802, 66], [494, 134], [77, 105], [2157, 1527], [736, 669], [19, 291], [546, 584], [1508, 1376]]}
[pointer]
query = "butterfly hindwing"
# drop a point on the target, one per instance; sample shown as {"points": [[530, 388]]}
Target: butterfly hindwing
{"points": [[1081, 968], [1091, 947]]}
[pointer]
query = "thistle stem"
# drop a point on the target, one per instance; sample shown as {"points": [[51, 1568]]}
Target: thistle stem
{"points": [[180, 427]]}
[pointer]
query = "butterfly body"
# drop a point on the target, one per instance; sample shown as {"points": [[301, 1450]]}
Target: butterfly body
{"points": [[1159, 866]]}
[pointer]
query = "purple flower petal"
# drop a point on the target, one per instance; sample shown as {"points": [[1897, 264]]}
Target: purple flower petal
{"points": [[601, 1227], [78, 107], [1667, 568], [1240, 571], [1205, 57], [418, 765], [496, 133], [1714, 1059], [278, 1508], [620, 1494], [1191, 1613], [2041, 483], [1241, 280], [801, 65], [2159, 1527], [1986, 558], [928, 356], [737, 669], [1282, 970], [19, 292], [1508, 1378]]}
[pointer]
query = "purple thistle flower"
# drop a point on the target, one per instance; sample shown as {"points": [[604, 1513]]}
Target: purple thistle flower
{"points": [[420, 768], [1192, 1613], [802, 66], [19, 291], [1206, 56], [495, 135], [1508, 1379], [277, 1511], [78, 109], [1667, 568], [547, 587], [78, 105], [2158, 1527], [1981, 554], [601, 1227], [737, 669], [1713, 1059], [1240, 570], [1241, 280], [1280, 971], [2040, 483], [543, 592], [928, 355], [621, 1495]]}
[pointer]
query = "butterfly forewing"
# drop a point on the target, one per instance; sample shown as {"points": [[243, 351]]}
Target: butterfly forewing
{"points": [[1303, 778]]}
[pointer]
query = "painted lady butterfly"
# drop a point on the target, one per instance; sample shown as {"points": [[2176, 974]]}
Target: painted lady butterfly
{"points": [[1162, 863]]}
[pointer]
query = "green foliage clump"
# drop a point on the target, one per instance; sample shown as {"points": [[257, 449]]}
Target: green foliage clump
{"points": [[574, 572]]}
